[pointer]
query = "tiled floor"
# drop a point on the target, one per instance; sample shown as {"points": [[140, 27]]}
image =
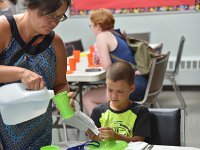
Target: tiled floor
{"points": [[167, 99]]}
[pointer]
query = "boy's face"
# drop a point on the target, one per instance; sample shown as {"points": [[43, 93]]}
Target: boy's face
{"points": [[118, 92]]}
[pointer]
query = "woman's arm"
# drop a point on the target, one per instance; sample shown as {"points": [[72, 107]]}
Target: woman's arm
{"points": [[31, 80], [5, 33], [103, 50], [61, 65], [61, 83], [7, 73]]}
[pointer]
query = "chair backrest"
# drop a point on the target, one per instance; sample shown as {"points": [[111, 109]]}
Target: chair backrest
{"points": [[159, 48], [165, 126], [179, 55], [143, 36], [155, 81], [73, 45]]}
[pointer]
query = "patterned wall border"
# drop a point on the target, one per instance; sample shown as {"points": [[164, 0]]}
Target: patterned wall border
{"points": [[180, 8]]}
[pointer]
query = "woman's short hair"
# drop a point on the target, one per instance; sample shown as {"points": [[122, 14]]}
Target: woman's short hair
{"points": [[103, 17], [121, 70], [45, 6]]}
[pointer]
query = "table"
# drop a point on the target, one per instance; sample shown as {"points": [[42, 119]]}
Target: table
{"points": [[83, 78], [163, 147], [80, 75], [155, 147]]}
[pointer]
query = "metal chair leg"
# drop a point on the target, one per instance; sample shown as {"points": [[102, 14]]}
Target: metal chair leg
{"points": [[59, 135], [65, 132], [178, 93], [183, 117], [157, 103]]}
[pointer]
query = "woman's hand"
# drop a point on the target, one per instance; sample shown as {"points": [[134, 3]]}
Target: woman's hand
{"points": [[31, 80], [71, 97]]}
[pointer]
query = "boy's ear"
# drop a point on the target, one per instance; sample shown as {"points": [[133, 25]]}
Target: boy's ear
{"points": [[132, 88]]}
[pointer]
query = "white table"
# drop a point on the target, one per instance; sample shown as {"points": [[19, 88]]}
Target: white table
{"points": [[162, 147], [63, 146], [83, 78], [80, 75]]}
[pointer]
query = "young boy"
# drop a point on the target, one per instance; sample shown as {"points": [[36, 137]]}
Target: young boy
{"points": [[120, 118]]}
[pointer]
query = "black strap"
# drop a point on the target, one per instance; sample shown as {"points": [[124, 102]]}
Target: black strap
{"points": [[119, 34], [22, 51], [27, 48], [33, 50], [14, 30]]}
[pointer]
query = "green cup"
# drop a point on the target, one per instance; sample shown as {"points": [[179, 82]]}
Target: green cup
{"points": [[50, 147], [63, 105]]}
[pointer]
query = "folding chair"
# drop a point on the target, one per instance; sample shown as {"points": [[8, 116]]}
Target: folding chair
{"points": [[145, 36], [155, 81], [171, 75], [73, 45], [167, 127]]}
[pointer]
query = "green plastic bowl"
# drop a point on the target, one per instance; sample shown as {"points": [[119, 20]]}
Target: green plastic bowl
{"points": [[50, 147], [110, 145]]}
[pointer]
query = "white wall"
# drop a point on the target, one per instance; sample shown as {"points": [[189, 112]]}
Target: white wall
{"points": [[164, 27]]}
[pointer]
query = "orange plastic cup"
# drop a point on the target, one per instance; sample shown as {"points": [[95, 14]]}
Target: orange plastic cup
{"points": [[76, 54], [90, 61], [91, 49], [72, 64]]}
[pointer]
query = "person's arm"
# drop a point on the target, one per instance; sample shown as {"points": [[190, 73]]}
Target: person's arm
{"points": [[31, 80], [61, 83], [61, 65], [142, 125], [108, 133], [103, 50], [5, 33], [93, 136]]}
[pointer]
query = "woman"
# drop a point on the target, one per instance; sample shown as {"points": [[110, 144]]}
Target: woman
{"points": [[109, 41], [44, 66], [7, 8]]}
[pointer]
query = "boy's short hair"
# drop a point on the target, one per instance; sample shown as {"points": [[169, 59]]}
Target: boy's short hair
{"points": [[121, 71]]}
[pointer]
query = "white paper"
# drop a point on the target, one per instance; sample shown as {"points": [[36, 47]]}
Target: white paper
{"points": [[82, 122], [136, 146]]}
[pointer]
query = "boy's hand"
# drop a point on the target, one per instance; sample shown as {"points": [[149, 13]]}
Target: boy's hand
{"points": [[107, 133], [92, 136]]}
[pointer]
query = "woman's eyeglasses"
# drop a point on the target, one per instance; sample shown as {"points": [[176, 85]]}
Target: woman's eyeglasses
{"points": [[91, 26], [59, 18]]}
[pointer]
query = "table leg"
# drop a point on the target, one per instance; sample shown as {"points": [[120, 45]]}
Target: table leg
{"points": [[80, 89]]}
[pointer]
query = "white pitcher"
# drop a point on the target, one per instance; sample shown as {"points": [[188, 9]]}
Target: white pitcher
{"points": [[18, 105]]}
